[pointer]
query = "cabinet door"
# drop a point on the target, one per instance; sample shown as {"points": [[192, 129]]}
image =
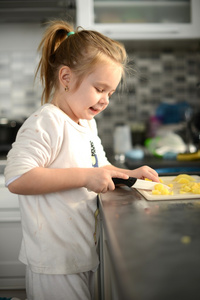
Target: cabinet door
{"points": [[12, 271], [134, 19], [141, 12]]}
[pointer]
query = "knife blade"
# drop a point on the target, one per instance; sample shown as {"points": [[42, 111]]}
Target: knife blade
{"points": [[137, 183]]}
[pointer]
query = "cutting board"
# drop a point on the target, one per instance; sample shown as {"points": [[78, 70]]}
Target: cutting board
{"points": [[166, 180]]}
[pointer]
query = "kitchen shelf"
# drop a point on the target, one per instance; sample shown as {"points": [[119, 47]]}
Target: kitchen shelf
{"points": [[143, 20]]}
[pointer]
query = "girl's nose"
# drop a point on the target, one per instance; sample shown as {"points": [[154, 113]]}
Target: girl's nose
{"points": [[104, 99]]}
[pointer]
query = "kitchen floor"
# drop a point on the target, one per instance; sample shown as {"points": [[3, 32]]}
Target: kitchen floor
{"points": [[21, 294]]}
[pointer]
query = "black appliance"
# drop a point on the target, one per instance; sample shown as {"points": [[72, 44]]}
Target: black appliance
{"points": [[8, 132]]}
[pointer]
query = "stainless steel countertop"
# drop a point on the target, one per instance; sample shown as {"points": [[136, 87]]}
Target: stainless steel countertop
{"points": [[149, 255]]}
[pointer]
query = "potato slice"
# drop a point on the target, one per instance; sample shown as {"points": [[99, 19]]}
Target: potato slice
{"points": [[156, 192], [181, 184], [183, 176]]}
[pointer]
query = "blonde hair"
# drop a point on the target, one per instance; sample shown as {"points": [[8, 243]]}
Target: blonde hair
{"points": [[81, 52]]}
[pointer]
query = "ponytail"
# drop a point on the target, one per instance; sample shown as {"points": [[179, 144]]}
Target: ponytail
{"points": [[53, 37]]}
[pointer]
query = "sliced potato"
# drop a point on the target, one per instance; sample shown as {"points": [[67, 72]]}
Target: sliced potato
{"points": [[182, 184], [159, 187], [183, 176], [156, 192]]}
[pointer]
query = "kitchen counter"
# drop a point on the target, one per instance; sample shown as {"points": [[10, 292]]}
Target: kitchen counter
{"points": [[154, 246]]}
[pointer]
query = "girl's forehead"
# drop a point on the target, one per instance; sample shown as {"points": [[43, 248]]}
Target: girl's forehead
{"points": [[107, 76], [112, 70]]}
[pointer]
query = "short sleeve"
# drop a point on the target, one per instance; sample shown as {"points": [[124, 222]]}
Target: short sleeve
{"points": [[37, 144]]}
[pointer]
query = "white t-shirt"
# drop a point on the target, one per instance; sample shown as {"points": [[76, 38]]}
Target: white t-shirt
{"points": [[58, 228]]}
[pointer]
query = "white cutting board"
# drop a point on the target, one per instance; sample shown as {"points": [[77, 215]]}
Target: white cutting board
{"points": [[166, 180]]}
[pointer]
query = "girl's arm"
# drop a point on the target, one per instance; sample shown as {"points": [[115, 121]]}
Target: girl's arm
{"points": [[43, 180]]}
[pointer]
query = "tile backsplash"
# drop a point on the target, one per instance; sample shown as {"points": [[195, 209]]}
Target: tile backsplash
{"points": [[162, 73], [19, 95]]}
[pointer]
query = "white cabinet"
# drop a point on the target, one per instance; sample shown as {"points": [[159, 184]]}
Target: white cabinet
{"points": [[139, 19], [12, 271]]}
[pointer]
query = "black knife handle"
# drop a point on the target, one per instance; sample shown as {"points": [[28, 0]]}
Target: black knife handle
{"points": [[129, 182]]}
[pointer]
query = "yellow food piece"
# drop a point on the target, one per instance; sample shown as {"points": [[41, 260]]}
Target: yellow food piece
{"points": [[147, 179], [165, 191], [185, 239], [196, 191], [183, 180], [185, 176], [186, 183], [181, 184], [186, 189], [158, 187], [192, 187], [182, 192], [195, 185], [189, 156], [156, 192], [162, 191]]}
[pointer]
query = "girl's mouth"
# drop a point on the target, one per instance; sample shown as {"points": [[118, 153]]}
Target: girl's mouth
{"points": [[94, 110]]}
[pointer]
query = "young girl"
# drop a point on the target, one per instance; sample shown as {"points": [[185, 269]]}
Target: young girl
{"points": [[57, 164]]}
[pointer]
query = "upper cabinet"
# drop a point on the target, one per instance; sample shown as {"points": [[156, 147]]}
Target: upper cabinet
{"points": [[140, 19], [36, 11]]}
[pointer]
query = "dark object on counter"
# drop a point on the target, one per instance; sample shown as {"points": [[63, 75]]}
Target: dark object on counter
{"points": [[129, 182], [195, 128], [8, 132]]}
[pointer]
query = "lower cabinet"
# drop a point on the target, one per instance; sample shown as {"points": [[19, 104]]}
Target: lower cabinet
{"points": [[12, 271]]}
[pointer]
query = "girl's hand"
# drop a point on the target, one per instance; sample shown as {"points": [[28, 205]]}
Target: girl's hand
{"points": [[145, 172], [99, 180]]}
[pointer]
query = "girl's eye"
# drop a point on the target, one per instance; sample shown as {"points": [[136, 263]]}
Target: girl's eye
{"points": [[99, 90]]}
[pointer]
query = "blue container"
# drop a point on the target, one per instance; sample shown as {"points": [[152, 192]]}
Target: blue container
{"points": [[172, 113], [178, 170]]}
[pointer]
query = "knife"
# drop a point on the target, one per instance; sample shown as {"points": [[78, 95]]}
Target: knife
{"points": [[137, 183]]}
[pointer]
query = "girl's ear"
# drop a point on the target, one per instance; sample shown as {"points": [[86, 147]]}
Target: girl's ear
{"points": [[64, 76]]}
